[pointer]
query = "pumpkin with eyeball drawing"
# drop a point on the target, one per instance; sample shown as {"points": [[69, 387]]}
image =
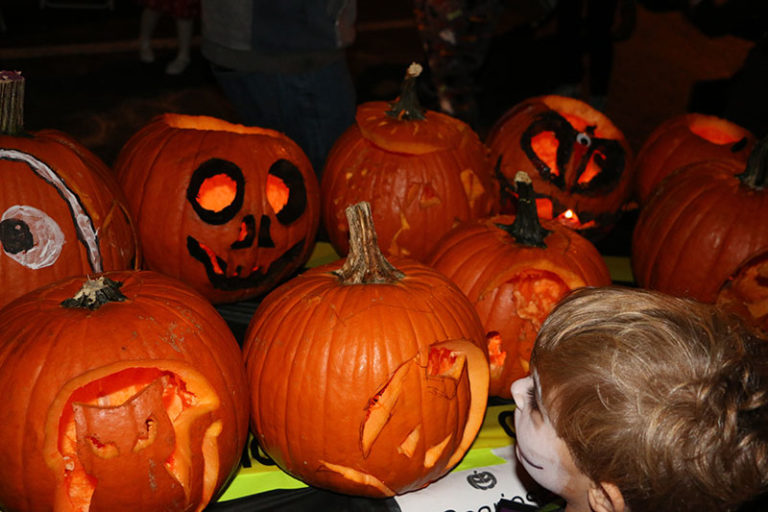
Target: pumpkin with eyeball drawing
{"points": [[230, 210], [367, 377], [123, 392], [514, 269], [579, 161], [420, 170], [62, 212]]}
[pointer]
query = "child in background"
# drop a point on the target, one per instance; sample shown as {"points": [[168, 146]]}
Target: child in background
{"points": [[643, 402]]}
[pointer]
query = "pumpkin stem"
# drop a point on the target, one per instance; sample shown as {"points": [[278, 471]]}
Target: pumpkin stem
{"points": [[526, 229], [407, 106], [11, 103], [95, 293], [365, 264], [755, 175]]}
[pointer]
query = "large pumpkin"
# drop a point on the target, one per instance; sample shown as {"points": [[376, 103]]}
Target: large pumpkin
{"points": [[514, 269], [121, 393], [579, 161], [701, 223], [61, 210], [685, 139], [228, 209], [366, 379], [420, 170]]}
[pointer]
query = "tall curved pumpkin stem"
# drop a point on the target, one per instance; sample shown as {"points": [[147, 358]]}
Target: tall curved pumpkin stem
{"points": [[365, 264], [755, 176], [526, 229], [11, 103], [407, 105]]}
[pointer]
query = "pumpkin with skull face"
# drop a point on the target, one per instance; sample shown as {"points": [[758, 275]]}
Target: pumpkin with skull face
{"points": [[228, 209], [122, 393], [579, 161], [62, 212]]}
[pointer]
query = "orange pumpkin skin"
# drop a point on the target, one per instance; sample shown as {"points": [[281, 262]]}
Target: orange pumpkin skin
{"points": [[745, 293], [420, 177], [230, 247], [699, 225], [513, 286], [366, 389], [685, 139], [136, 405], [69, 204], [579, 161]]}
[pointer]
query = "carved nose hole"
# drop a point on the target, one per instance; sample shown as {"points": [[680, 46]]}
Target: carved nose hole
{"points": [[16, 236], [247, 233], [265, 239]]}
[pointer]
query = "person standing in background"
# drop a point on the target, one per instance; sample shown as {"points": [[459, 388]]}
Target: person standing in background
{"points": [[283, 66], [184, 13]]}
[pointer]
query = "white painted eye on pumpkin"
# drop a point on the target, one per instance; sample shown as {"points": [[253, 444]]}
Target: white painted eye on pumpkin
{"points": [[30, 237]]}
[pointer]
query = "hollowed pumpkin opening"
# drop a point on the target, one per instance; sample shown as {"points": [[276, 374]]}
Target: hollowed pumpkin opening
{"points": [[714, 132], [277, 193], [131, 426]]}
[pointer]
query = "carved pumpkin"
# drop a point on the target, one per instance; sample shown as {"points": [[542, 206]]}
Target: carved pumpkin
{"points": [[122, 393], [228, 209], [61, 210], [701, 224], [685, 139], [745, 293], [420, 170], [579, 161], [366, 379], [514, 269]]}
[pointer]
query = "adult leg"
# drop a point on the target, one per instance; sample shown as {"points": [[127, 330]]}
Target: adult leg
{"points": [[184, 29], [147, 25]]}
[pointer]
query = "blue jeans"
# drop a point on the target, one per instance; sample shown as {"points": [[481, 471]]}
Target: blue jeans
{"points": [[311, 107]]}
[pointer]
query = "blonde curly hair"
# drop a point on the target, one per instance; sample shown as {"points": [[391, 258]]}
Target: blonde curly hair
{"points": [[664, 397]]}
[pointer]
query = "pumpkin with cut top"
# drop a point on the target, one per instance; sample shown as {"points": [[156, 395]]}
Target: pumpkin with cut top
{"points": [[122, 392], [368, 377], [579, 161], [514, 269], [420, 170], [231, 210]]}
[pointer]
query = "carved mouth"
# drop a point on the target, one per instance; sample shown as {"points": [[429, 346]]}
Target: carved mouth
{"points": [[239, 279]]}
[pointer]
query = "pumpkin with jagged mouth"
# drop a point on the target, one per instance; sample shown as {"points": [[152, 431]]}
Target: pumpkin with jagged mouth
{"points": [[228, 209]]}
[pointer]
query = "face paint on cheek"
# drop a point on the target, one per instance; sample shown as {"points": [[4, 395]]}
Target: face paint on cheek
{"points": [[541, 452]]}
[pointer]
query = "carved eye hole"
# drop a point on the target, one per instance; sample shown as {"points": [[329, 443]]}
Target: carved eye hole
{"points": [[216, 191], [30, 236], [545, 146], [286, 191]]}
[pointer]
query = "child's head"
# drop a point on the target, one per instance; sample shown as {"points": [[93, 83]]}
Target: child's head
{"points": [[655, 402]]}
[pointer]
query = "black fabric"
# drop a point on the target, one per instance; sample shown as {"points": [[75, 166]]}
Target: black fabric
{"points": [[307, 499]]}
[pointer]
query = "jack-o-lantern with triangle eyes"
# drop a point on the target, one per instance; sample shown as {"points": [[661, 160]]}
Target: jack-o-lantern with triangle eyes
{"points": [[61, 210], [122, 392], [230, 210], [580, 163]]}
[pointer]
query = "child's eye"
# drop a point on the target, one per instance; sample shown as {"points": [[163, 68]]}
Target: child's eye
{"points": [[532, 403]]}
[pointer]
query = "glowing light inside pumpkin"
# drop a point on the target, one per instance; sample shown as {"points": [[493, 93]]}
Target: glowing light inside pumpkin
{"points": [[277, 193], [714, 134], [570, 219], [496, 353], [545, 146], [217, 192]]}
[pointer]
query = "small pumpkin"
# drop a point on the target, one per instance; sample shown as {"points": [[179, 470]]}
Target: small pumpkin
{"points": [[700, 224], [228, 209], [420, 170], [579, 161], [745, 293], [122, 392], [514, 269], [684, 139], [368, 377], [62, 212]]}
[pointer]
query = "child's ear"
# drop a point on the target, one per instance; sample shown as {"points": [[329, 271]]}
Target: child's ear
{"points": [[605, 497]]}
